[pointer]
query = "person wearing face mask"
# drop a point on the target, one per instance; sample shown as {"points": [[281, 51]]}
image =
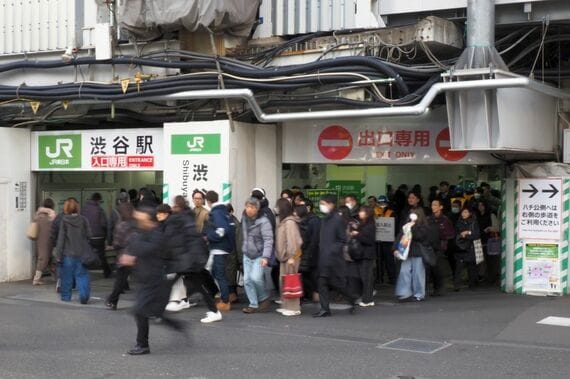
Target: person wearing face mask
{"points": [[454, 216], [352, 203], [331, 263], [414, 202]]}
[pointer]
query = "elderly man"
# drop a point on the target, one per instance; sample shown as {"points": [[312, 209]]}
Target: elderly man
{"points": [[257, 253]]}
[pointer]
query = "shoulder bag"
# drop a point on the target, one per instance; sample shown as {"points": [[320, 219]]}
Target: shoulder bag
{"points": [[32, 231], [428, 255]]}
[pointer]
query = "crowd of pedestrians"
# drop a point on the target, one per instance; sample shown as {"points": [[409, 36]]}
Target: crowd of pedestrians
{"points": [[296, 252]]}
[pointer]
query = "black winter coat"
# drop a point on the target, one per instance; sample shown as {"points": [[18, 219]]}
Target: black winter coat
{"points": [[148, 247], [367, 238], [186, 248], [465, 249], [331, 242], [310, 230]]}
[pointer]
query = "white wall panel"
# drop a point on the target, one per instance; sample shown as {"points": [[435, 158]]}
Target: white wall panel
{"points": [[38, 25], [291, 17]]}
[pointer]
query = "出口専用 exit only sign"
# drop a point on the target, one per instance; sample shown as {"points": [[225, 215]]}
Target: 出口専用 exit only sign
{"points": [[196, 144], [540, 209]]}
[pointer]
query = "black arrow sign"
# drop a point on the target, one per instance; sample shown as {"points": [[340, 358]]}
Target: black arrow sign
{"points": [[533, 190], [553, 191]]}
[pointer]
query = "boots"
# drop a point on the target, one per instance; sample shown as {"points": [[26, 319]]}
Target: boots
{"points": [[38, 279]]}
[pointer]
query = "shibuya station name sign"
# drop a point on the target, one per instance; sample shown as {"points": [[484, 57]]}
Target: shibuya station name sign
{"points": [[401, 140], [98, 150]]}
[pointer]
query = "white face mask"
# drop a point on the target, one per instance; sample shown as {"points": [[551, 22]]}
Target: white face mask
{"points": [[324, 209], [455, 210], [349, 206], [477, 196]]}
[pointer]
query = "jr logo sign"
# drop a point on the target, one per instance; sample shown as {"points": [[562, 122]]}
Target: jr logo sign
{"points": [[59, 152], [183, 144]]}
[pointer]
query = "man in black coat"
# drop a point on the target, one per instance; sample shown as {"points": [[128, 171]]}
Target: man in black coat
{"points": [[144, 252], [332, 266], [310, 227]]}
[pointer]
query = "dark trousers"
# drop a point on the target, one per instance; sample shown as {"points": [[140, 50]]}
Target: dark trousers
{"points": [[276, 278], [98, 245], [309, 280], [471, 272], [219, 273], [324, 285], [434, 274], [120, 284], [450, 255], [152, 298], [361, 283], [385, 263], [201, 282]]}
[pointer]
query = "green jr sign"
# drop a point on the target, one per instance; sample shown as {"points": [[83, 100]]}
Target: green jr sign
{"points": [[59, 152], [196, 144]]}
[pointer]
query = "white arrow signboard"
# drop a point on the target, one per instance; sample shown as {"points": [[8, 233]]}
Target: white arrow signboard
{"points": [[540, 209]]}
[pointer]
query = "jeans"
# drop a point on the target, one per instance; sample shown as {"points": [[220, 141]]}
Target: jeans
{"points": [[219, 273], [412, 279], [254, 281], [73, 268]]}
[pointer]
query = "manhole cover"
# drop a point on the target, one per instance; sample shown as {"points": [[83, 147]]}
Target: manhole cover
{"points": [[416, 346]]}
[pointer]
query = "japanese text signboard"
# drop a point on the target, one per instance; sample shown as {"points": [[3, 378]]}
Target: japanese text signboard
{"points": [[399, 140], [197, 157], [540, 209], [98, 150]]}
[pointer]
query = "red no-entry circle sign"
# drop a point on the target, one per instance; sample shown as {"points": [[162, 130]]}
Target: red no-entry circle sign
{"points": [[335, 142], [443, 144]]}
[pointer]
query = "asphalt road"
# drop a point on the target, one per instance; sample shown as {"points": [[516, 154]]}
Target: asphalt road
{"points": [[481, 334]]}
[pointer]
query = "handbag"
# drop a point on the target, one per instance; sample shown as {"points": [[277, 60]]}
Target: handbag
{"points": [[32, 231], [494, 245], [478, 247], [428, 255], [355, 249], [292, 286], [89, 257]]}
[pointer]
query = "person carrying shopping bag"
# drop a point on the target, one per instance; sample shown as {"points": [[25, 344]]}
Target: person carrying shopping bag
{"points": [[288, 252]]}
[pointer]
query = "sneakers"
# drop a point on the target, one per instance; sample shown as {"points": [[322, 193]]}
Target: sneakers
{"points": [[212, 317], [177, 306], [290, 313], [224, 307], [362, 304], [280, 310]]}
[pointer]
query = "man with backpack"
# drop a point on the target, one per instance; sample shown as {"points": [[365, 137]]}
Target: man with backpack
{"points": [[221, 237]]}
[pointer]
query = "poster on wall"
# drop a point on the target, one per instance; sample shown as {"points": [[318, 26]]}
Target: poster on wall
{"points": [[196, 156], [396, 140], [541, 268], [98, 150]]}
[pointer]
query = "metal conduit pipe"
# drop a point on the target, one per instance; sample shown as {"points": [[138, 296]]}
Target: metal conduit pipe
{"points": [[413, 110]]}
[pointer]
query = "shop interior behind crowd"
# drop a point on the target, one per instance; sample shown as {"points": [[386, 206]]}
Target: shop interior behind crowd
{"points": [[361, 180]]}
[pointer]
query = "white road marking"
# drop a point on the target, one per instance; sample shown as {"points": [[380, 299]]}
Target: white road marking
{"points": [[557, 321]]}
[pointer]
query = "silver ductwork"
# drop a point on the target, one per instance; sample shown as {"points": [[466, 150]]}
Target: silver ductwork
{"points": [[480, 49]]}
